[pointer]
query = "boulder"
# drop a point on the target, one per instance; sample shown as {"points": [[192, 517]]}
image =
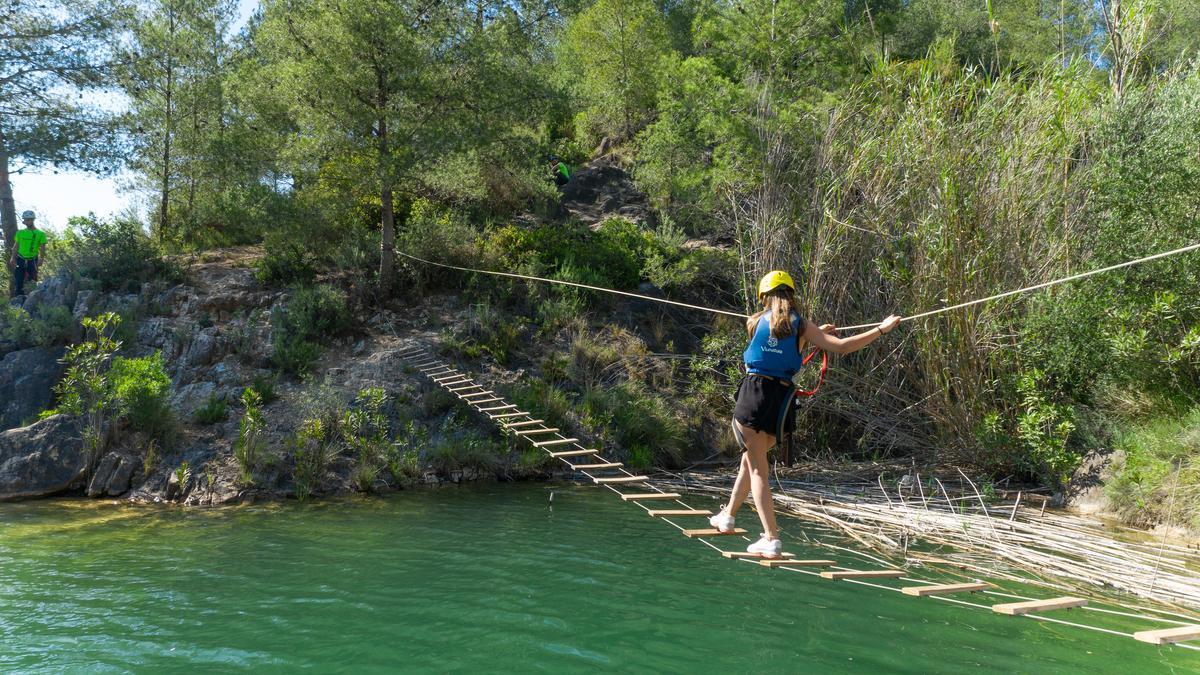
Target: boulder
{"points": [[104, 471], [122, 476], [57, 291], [190, 397], [27, 379], [42, 459]]}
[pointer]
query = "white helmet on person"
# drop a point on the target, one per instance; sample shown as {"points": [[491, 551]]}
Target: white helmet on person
{"points": [[28, 215]]}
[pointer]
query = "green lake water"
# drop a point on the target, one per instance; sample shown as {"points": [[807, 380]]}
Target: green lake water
{"points": [[475, 579]]}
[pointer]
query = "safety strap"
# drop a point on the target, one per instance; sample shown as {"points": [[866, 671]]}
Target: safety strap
{"points": [[821, 378]]}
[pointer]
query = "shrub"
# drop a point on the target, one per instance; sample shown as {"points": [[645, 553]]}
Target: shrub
{"points": [[142, 388], [85, 388], [403, 456], [285, 263], [117, 253], [53, 326], [250, 446], [313, 448], [458, 447], [265, 386], [212, 411], [311, 314], [365, 429]]}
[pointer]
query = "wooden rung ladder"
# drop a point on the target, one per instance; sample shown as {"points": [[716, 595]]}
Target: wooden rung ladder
{"points": [[601, 465], [945, 589], [1019, 608], [657, 513], [574, 453], [526, 432], [649, 495], [783, 562], [514, 425], [499, 407], [621, 479], [486, 400], [458, 389], [863, 574], [556, 441], [712, 532], [1164, 636], [511, 414]]}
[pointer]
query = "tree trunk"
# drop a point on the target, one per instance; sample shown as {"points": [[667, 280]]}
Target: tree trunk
{"points": [[164, 203], [8, 208], [387, 239]]}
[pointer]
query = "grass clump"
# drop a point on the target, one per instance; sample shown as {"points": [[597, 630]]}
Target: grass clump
{"points": [[214, 410], [642, 423], [250, 448], [1154, 479]]}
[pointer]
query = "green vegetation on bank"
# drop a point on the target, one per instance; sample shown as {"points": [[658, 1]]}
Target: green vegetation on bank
{"points": [[895, 156]]}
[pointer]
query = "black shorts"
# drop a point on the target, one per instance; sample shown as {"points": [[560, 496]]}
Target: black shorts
{"points": [[765, 404]]}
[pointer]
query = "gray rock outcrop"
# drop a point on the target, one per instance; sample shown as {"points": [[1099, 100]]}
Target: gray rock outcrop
{"points": [[42, 459], [27, 379]]}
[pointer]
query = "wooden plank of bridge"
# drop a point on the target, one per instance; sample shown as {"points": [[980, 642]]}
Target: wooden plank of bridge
{"points": [[712, 532], [1164, 636], [499, 407], [1019, 608], [649, 495], [734, 555], [458, 389], [449, 375], [601, 465], [621, 479], [486, 392], [655, 513], [451, 384], [511, 414], [514, 425], [863, 574], [556, 441], [781, 562], [574, 453], [526, 432], [945, 589], [481, 401]]}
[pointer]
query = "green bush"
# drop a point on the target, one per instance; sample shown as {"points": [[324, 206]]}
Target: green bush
{"points": [[365, 430], [458, 447], [264, 385], [116, 253], [286, 263], [212, 411], [51, 327], [312, 314], [142, 389]]}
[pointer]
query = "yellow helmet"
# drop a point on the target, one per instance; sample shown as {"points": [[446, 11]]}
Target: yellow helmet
{"points": [[774, 279]]}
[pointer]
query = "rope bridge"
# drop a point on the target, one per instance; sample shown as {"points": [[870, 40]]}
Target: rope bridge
{"points": [[669, 506]]}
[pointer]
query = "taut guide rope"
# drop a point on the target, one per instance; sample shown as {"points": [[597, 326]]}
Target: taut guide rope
{"points": [[921, 315], [435, 369]]}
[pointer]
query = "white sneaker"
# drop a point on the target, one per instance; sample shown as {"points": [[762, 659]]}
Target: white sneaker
{"points": [[723, 522], [767, 548]]}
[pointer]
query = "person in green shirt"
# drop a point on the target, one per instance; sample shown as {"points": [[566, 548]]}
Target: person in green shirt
{"points": [[29, 245], [562, 174]]}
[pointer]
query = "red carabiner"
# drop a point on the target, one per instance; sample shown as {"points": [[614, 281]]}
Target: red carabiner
{"points": [[821, 378]]}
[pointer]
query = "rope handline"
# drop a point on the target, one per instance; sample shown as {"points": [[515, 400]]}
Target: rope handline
{"points": [[921, 315], [577, 285]]}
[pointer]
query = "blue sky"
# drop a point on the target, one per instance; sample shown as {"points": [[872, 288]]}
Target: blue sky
{"points": [[55, 197]]}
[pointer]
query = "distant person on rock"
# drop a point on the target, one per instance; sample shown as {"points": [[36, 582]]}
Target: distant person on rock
{"points": [[760, 414], [562, 174], [29, 245]]}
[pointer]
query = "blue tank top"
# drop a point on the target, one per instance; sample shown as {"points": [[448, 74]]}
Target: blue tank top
{"points": [[776, 357]]}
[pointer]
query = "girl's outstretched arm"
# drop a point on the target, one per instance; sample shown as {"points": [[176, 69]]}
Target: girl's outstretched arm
{"points": [[823, 338]]}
